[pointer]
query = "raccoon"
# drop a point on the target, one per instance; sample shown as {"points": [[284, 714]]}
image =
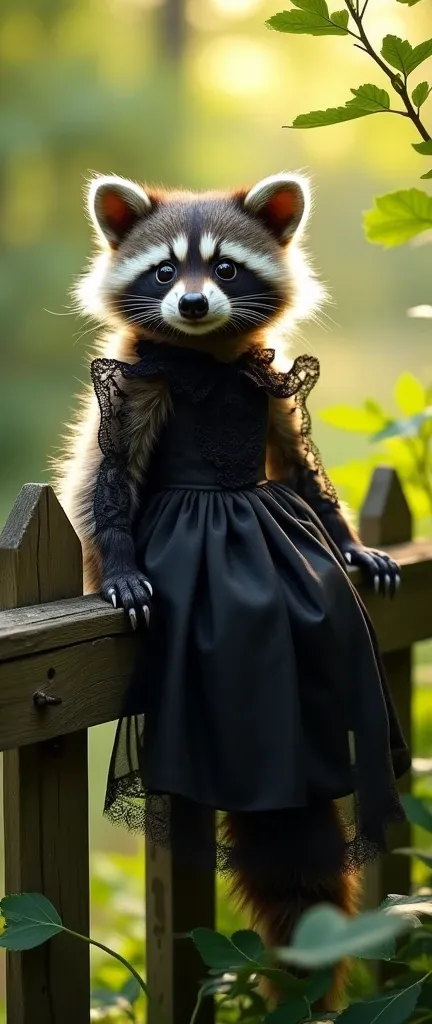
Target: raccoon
{"points": [[222, 273]]}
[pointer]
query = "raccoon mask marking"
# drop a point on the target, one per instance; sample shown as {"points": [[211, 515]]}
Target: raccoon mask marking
{"points": [[183, 265]]}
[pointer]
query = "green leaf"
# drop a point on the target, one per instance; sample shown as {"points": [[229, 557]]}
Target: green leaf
{"points": [[312, 17], [427, 175], [425, 148], [30, 921], [340, 18], [407, 904], [402, 56], [398, 216], [131, 991], [419, 944], [409, 394], [397, 52], [333, 115], [217, 950], [285, 982], [389, 1009], [409, 2], [368, 99], [410, 851], [289, 1013], [318, 984], [324, 936], [420, 93], [347, 417], [249, 943], [416, 811], [419, 54], [408, 427]]}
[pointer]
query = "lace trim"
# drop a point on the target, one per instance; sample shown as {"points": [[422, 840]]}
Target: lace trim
{"points": [[176, 823], [230, 426]]}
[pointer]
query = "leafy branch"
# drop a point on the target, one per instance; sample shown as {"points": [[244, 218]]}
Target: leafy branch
{"points": [[400, 215]]}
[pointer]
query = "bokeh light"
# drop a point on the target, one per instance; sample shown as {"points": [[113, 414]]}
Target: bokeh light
{"points": [[239, 66]]}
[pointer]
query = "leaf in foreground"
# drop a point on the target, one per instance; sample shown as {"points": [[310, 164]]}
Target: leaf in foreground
{"points": [[417, 811], [420, 93], [325, 936], [398, 216], [391, 1009], [397, 52], [30, 921], [368, 99], [404, 57], [311, 17], [424, 148], [409, 394]]}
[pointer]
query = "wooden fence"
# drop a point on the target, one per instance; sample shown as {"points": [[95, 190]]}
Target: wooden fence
{"points": [[65, 660]]}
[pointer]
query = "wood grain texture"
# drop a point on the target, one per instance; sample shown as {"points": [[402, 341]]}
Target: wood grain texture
{"points": [[45, 785], [179, 897], [46, 627], [83, 651], [386, 520], [90, 678]]}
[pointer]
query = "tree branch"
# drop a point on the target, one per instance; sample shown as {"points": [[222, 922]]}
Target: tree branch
{"points": [[399, 87]]}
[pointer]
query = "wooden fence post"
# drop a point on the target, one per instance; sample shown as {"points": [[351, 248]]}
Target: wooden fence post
{"points": [[385, 520], [179, 897], [45, 784]]}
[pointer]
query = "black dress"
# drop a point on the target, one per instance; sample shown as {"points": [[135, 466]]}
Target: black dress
{"points": [[258, 687]]}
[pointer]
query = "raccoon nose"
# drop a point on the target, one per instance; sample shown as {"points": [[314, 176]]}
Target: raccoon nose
{"points": [[193, 305]]}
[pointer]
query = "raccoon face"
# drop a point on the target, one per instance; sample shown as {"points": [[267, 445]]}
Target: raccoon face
{"points": [[183, 265]]}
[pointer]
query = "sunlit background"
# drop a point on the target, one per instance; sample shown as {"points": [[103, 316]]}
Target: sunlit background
{"points": [[192, 93]]}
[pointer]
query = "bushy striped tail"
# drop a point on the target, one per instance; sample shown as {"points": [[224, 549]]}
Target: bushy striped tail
{"points": [[276, 876]]}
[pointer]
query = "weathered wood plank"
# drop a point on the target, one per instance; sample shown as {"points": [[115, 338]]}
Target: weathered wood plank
{"points": [[45, 785], [46, 627], [90, 679], [386, 520], [92, 676], [179, 897]]}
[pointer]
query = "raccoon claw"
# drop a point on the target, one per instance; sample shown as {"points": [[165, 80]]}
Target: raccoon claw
{"points": [[377, 567], [131, 591]]}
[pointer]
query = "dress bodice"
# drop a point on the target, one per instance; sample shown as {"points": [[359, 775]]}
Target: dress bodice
{"points": [[218, 442], [216, 432]]}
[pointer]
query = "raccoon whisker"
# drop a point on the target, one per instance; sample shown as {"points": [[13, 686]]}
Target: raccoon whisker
{"points": [[253, 315], [252, 303], [143, 299], [79, 335]]}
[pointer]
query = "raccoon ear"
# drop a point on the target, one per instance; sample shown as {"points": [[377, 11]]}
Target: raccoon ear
{"points": [[282, 201], [115, 205]]}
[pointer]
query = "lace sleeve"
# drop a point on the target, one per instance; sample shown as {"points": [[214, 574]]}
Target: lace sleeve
{"points": [[296, 384], [312, 475], [112, 500]]}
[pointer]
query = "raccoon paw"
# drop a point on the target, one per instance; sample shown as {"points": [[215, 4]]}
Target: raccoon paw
{"points": [[379, 569], [131, 591]]}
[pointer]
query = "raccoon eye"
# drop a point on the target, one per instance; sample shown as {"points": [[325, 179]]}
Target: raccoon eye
{"points": [[165, 273], [226, 270]]}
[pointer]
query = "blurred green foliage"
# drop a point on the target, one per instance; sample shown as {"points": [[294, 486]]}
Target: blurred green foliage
{"points": [[191, 93], [398, 216], [404, 442]]}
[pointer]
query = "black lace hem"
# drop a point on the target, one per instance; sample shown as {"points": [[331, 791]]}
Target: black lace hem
{"points": [[299, 837]]}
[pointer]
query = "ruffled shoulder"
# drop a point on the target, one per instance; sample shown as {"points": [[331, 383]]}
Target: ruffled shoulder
{"points": [[297, 381]]}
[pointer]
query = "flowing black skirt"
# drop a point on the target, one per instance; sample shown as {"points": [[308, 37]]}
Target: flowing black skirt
{"points": [[258, 688]]}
